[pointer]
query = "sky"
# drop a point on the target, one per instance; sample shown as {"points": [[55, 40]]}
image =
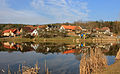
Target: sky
{"points": [[58, 11]]}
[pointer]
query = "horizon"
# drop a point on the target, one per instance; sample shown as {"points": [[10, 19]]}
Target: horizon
{"points": [[54, 11], [61, 22]]}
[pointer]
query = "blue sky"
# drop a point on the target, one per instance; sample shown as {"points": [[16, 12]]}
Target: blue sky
{"points": [[58, 11]]}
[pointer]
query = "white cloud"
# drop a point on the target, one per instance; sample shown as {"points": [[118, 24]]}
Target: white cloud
{"points": [[25, 17], [45, 11], [9, 15], [62, 10]]}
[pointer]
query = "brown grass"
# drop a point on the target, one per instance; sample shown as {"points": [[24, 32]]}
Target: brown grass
{"points": [[95, 62]]}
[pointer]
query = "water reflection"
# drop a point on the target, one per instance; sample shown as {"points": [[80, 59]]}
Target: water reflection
{"points": [[61, 58]]}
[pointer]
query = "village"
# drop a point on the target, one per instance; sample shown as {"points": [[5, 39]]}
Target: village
{"points": [[51, 31], [103, 42]]}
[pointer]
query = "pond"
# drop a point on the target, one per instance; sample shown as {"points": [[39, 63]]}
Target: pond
{"points": [[56, 58]]}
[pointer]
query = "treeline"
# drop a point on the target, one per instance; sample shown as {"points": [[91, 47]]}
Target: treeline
{"points": [[9, 26], [113, 25]]}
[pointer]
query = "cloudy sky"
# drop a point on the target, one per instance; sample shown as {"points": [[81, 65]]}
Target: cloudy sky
{"points": [[58, 11]]}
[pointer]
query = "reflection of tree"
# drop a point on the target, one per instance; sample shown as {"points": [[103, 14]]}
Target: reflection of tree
{"points": [[46, 48], [94, 62]]}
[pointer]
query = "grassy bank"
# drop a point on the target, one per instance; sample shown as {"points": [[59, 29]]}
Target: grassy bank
{"points": [[38, 40], [59, 39], [112, 69]]}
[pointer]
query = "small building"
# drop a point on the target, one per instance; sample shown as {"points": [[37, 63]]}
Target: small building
{"points": [[70, 28], [105, 30], [41, 28], [51, 27], [9, 32], [34, 32], [26, 30]]}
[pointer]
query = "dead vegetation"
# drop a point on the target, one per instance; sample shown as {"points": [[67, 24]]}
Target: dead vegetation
{"points": [[93, 62]]}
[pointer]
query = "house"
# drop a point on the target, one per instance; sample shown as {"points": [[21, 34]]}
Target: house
{"points": [[35, 46], [70, 28], [29, 31], [26, 30], [41, 27], [34, 32], [10, 32], [96, 30], [51, 27], [105, 30]]}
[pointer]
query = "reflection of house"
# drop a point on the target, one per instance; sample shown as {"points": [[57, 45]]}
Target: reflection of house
{"points": [[70, 46], [35, 46], [72, 51], [10, 32], [69, 51], [9, 45]]}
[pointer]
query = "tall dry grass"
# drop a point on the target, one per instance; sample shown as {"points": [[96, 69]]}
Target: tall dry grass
{"points": [[94, 62]]}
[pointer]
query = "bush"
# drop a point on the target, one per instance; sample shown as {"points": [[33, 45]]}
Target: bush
{"points": [[28, 36]]}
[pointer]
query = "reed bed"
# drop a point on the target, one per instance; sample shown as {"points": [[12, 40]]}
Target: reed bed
{"points": [[94, 62]]}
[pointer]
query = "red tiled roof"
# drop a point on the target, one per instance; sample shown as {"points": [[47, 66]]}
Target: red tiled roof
{"points": [[27, 29], [5, 46], [97, 28], [41, 26], [71, 27], [7, 31], [35, 27], [105, 28]]}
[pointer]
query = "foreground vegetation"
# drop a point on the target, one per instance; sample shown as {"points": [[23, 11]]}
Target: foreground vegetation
{"points": [[112, 69]]}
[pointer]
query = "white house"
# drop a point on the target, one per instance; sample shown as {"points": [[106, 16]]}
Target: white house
{"points": [[34, 33]]}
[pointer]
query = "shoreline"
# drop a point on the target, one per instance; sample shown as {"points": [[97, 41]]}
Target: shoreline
{"points": [[60, 40], [111, 69]]}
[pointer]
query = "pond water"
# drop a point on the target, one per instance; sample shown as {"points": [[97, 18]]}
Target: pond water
{"points": [[59, 58]]}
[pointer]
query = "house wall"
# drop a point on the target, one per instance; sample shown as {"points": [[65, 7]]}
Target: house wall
{"points": [[35, 32], [9, 34], [62, 28], [6, 34]]}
